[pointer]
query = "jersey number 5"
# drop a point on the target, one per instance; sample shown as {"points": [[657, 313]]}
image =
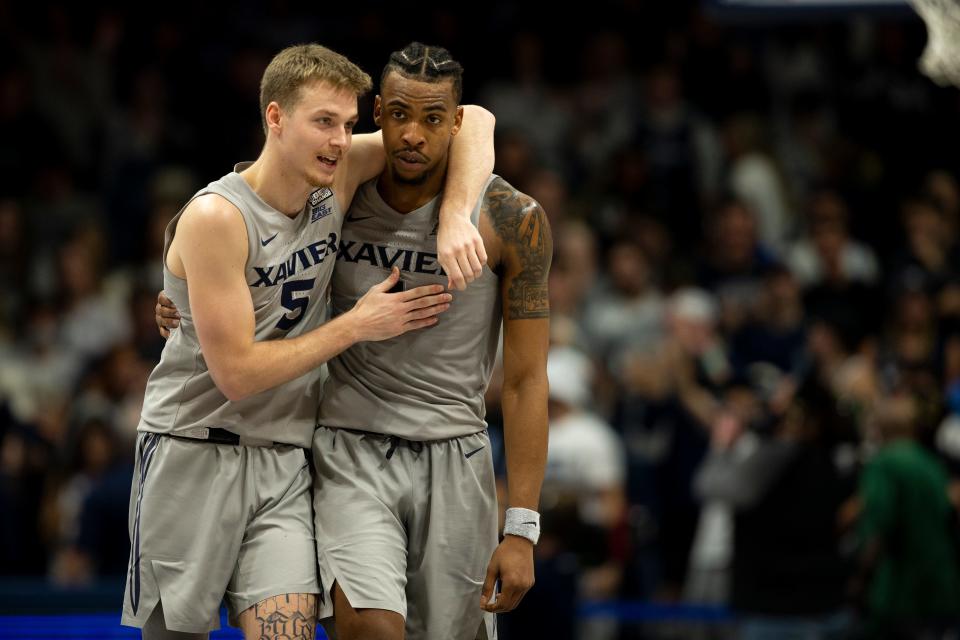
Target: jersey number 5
{"points": [[297, 306]]}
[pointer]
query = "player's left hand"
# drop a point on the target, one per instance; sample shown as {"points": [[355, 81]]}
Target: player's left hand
{"points": [[512, 563], [460, 250]]}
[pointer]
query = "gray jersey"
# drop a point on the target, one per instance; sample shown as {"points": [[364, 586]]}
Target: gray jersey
{"points": [[288, 271], [422, 385]]}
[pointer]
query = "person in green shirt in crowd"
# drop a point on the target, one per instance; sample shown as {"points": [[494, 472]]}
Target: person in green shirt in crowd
{"points": [[909, 552]]}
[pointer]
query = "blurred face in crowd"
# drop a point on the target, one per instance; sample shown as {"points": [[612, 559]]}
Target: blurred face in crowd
{"points": [[694, 332], [783, 289], [418, 120], [829, 239], [780, 303], [924, 224], [549, 189], [628, 268], [735, 235], [96, 447], [315, 131]]}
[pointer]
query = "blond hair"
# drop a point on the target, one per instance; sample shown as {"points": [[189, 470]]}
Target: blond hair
{"points": [[302, 64]]}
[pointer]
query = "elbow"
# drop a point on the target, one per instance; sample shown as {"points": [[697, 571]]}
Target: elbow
{"points": [[527, 387], [482, 116], [235, 393], [232, 385]]}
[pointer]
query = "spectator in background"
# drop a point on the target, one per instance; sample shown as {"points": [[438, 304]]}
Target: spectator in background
{"points": [[681, 151], [756, 180], [14, 269], [528, 103], [775, 334], [516, 158], [911, 341], [849, 378], [734, 261], [942, 188], [96, 452], [28, 136], [711, 555], [25, 459], [38, 376], [669, 399], [830, 254], [585, 476], [930, 243], [574, 276], [606, 100], [786, 491], [909, 581], [93, 318], [627, 314]]}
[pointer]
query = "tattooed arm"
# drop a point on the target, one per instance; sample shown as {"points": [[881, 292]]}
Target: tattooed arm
{"points": [[524, 248]]}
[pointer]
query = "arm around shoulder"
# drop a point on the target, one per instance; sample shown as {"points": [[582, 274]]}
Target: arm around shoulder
{"points": [[211, 241]]}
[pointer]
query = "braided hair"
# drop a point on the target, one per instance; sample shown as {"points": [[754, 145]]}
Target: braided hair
{"points": [[418, 61]]}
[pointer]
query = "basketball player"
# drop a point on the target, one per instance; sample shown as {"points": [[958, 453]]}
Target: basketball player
{"points": [[220, 505], [404, 497]]}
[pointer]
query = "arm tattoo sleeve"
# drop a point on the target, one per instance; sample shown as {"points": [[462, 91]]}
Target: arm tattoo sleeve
{"points": [[522, 227]]}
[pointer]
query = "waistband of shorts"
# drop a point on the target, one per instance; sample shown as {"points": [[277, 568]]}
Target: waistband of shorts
{"points": [[394, 438], [217, 435]]}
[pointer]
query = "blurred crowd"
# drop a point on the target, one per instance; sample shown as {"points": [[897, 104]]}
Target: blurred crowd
{"points": [[755, 370]]}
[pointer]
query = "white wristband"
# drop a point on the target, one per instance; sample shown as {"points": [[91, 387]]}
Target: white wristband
{"points": [[522, 522]]}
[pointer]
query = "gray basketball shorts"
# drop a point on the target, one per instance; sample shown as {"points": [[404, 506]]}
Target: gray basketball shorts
{"points": [[408, 527], [211, 522]]}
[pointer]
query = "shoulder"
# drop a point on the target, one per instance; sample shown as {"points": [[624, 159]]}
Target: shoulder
{"points": [[211, 212], [503, 202], [515, 216], [211, 230]]}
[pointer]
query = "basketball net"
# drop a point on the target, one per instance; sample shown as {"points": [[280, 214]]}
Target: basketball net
{"points": [[941, 59]]}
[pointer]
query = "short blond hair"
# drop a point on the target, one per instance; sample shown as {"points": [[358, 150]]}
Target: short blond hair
{"points": [[302, 64]]}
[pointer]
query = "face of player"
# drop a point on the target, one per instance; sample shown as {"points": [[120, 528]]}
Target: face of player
{"points": [[418, 120], [315, 134]]}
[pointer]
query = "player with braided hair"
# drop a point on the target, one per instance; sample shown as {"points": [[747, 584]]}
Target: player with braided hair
{"points": [[430, 64], [405, 500]]}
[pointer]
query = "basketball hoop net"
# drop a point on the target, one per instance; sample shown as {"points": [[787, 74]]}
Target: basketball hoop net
{"points": [[941, 59]]}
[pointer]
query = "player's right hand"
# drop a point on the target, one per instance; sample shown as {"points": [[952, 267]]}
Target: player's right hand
{"points": [[512, 565], [166, 313], [380, 315]]}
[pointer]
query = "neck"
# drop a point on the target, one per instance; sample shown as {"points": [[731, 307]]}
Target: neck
{"points": [[405, 197], [276, 184]]}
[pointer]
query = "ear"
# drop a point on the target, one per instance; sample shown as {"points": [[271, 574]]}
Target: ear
{"points": [[377, 110], [457, 121], [273, 116]]}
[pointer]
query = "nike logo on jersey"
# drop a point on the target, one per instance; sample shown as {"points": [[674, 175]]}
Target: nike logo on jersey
{"points": [[267, 241], [467, 455], [353, 218]]}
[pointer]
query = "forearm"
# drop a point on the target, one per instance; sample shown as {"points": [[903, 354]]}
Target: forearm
{"points": [[470, 163], [263, 365], [525, 439]]}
